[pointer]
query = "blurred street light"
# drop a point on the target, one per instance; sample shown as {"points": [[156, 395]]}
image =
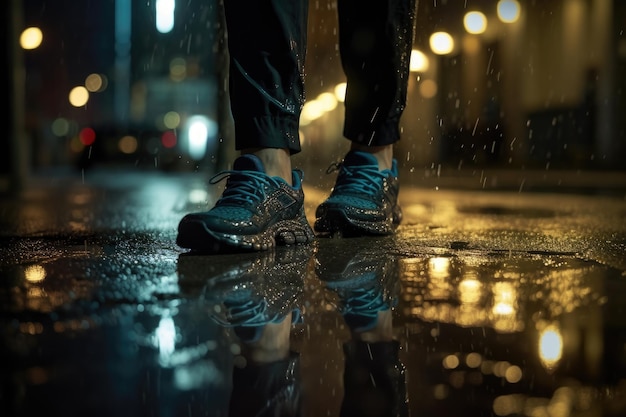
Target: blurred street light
{"points": [[31, 38], [441, 43]]}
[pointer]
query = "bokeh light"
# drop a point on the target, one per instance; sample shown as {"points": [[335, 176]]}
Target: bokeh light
{"points": [[87, 136], [128, 144], [171, 120], [475, 22], [419, 61], [168, 139], [96, 83], [508, 11], [441, 43], [31, 38], [79, 96], [340, 92]]}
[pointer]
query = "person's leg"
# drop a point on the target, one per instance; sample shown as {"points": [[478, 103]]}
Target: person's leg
{"points": [[263, 202], [375, 46], [266, 381], [267, 48]]}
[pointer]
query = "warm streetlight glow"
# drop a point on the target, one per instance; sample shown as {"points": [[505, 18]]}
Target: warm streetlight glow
{"points": [[128, 144], [428, 88], [31, 38], [312, 110], [327, 101], [79, 96], [95, 83], [508, 10], [475, 22], [35, 273], [340, 92], [441, 43], [419, 61]]}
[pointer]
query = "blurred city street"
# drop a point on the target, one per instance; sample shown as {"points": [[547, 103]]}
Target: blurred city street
{"points": [[509, 294], [502, 293]]}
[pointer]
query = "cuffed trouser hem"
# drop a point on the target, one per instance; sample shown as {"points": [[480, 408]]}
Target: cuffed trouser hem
{"points": [[267, 390], [387, 133], [374, 380], [268, 132]]}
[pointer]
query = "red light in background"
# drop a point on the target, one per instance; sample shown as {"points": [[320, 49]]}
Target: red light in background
{"points": [[168, 139], [87, 136]]}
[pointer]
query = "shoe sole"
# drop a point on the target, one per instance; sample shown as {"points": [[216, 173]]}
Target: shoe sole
{"points": [[196, 236], [337, 223]]}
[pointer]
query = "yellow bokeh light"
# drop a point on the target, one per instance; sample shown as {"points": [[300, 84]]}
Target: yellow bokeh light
{"points": [[128, 144], [31, 38], [428, 88], [95, 83], [513, 374], [508, 11], [328, 101], [419, 61], [473, 360], [340, 92], [451, 362], [312, 110], [79, 96], [35, 273], [475, 22], [441, 43]]}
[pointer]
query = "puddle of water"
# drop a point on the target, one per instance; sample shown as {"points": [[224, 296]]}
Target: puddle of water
{"points": [[466, 333]]}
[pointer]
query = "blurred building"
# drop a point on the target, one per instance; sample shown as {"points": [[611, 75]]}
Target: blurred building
{"points": [[518, 84]]}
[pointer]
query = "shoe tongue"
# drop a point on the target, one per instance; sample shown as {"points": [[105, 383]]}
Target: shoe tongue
{"points": [[248, 162], [353, 158]]}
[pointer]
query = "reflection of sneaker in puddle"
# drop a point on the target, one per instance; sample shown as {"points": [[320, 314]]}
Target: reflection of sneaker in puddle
{"points": [[249, 291], [363, 279]]}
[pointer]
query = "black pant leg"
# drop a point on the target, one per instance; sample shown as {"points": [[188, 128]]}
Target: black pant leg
{"points": [[267, 46], [375, 40]]}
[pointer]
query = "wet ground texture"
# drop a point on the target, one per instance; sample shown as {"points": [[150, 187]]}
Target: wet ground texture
{"points": [[484, 303]]}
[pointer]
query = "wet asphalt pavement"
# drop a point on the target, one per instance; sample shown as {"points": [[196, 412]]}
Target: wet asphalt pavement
{"points": [[490, 302]]}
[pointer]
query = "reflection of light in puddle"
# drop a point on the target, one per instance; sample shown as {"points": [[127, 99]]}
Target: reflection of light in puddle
{"points": [[470, 291], [450, 362], [165, 338], [34, 273], [439, 283], [550, 346], [481, 291]]}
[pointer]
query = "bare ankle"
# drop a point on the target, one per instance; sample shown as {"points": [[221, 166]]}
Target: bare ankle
{"points": [[383, 154], [276, 161]]}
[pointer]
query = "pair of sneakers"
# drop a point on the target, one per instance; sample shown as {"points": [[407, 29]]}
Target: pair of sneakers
{"points": [[257, 212]]}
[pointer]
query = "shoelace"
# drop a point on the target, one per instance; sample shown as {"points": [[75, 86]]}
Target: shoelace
{"points": [[357, 179], [248, 313], [242, 187], [252, 314], [364, 302]]}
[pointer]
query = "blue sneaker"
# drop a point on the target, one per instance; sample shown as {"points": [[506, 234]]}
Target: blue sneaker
{"points": [[364, 282], [248, 291], [255, 212], [364, 200]]}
